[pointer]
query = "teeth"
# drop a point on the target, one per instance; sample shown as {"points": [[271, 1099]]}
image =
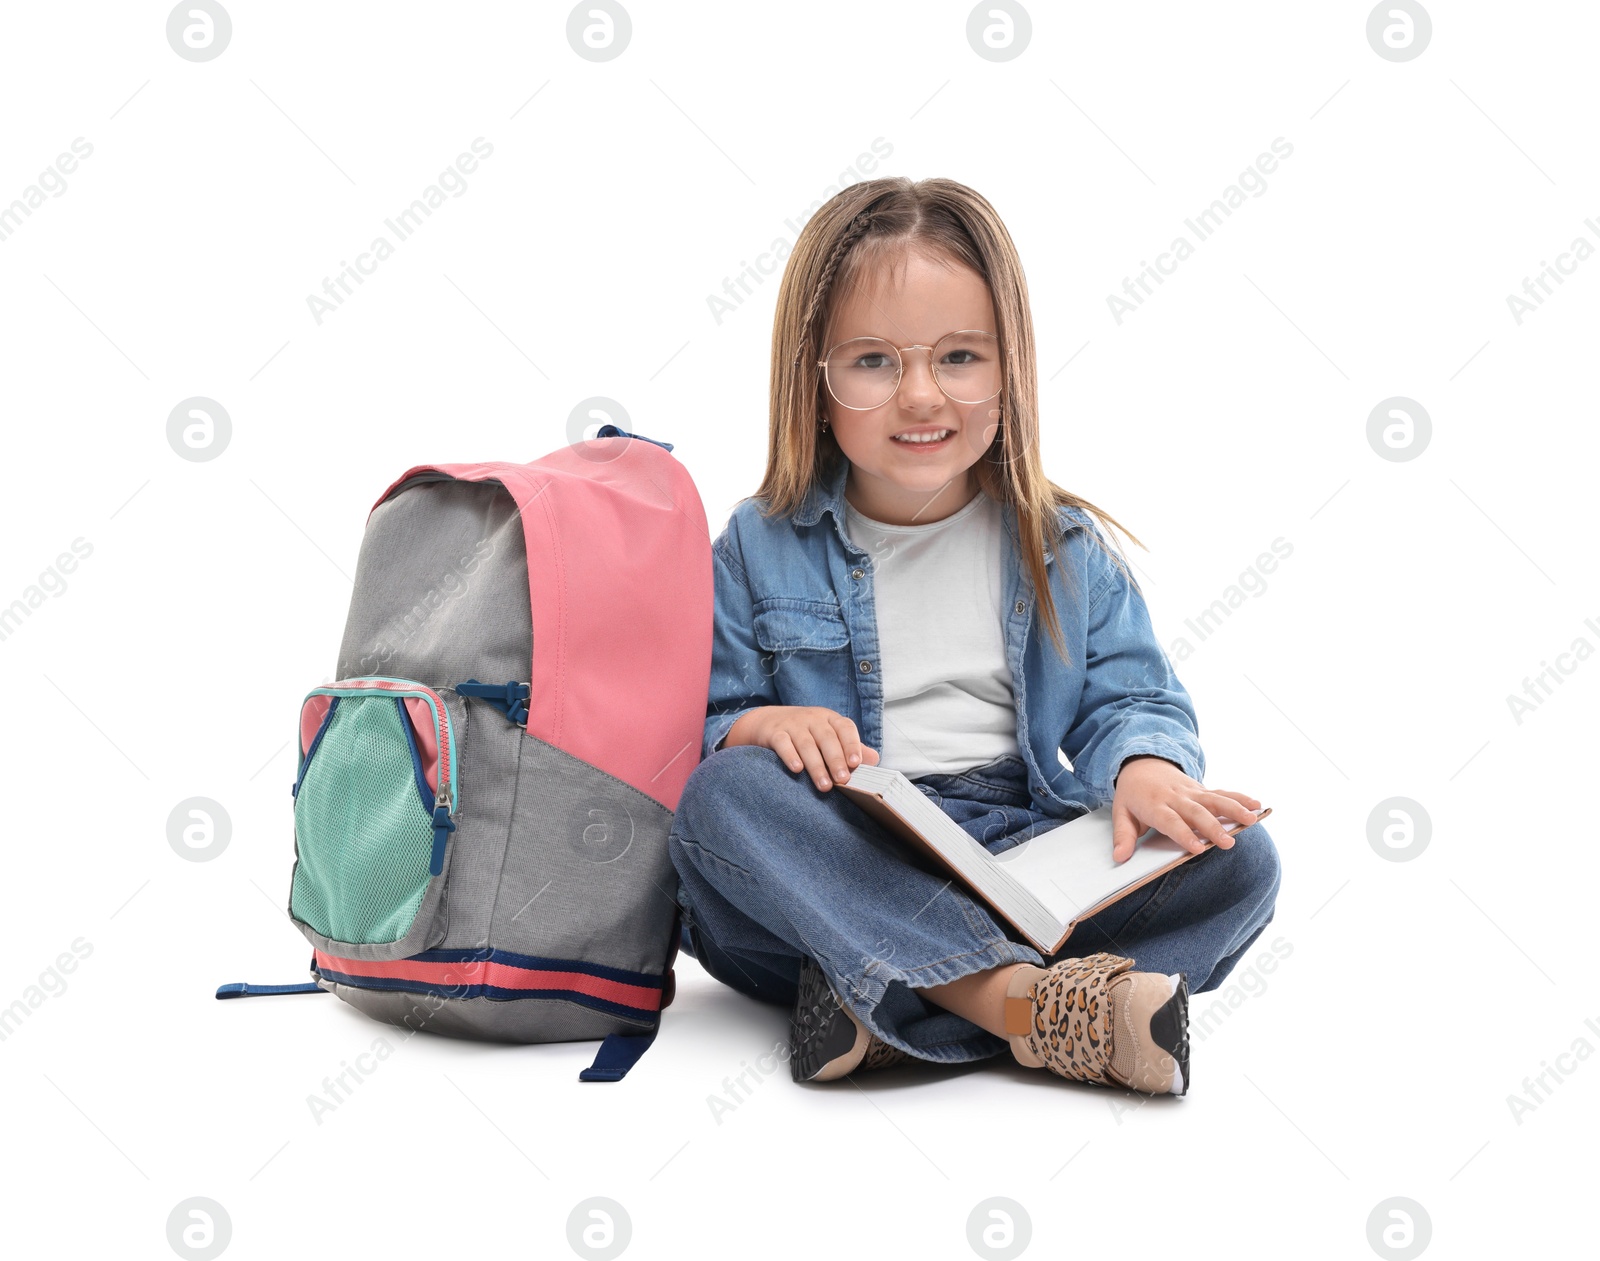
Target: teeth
{"points": [[924, 437]]}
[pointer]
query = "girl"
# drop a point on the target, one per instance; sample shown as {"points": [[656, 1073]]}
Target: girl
{"points": [[907, 586]]}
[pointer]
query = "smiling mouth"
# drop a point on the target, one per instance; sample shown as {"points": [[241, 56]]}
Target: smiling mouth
{"points": [[923, 437]]}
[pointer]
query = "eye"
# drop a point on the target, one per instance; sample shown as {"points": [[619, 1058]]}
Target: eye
{"points": [[875, 361]]}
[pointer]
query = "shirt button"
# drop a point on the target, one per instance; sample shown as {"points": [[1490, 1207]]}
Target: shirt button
{"points": [[1022, 606], [866, 667], [857, 574]]}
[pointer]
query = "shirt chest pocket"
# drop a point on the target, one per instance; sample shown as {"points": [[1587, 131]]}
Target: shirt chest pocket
{"points": [[784, 625], [805, 650]]}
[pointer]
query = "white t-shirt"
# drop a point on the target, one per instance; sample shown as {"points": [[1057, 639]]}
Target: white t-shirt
{"points": [[947, 687]]}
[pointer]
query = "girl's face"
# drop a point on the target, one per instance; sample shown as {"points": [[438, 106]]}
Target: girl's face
{"points": [[892, 479]]}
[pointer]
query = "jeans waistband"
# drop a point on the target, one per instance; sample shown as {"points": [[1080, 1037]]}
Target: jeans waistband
{"points": [[1003, 781]]}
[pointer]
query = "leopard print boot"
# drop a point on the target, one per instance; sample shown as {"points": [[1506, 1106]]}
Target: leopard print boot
{"points": [[1095, 1020]]}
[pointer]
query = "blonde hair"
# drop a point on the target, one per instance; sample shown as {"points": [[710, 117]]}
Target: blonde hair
{"points": [[872, 223]]}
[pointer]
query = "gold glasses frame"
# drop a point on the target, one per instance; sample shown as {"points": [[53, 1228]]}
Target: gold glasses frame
{"points": [[900, 368]]}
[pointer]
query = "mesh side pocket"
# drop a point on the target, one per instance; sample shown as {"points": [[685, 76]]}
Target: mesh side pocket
{"points": [[363, 832]]}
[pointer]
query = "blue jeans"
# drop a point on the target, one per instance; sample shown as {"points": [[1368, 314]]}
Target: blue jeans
{"points": [[771, 869]]}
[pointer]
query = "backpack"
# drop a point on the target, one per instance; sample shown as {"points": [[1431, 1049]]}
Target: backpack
{"points": [[482, 799]]}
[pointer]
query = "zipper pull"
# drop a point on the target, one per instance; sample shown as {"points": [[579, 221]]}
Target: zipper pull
{"points": [[443, 824]]}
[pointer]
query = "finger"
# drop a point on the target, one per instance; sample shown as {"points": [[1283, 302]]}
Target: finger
{"points": [[831, 750], [1124, 833], [1228, 807], [807, 745], [1242, 798], [849, 739], [783, 746], [1172, 824], [1204, 823], [869, 755]]}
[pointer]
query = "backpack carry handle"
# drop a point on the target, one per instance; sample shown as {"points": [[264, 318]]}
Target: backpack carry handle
{"points": [[609, 430]]}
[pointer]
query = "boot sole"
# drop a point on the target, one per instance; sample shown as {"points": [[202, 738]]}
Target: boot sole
{"points": [[1169, 1030], [821, 1033]]}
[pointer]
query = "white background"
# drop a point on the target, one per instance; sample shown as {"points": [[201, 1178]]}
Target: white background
{"points": [[1228, 411]]}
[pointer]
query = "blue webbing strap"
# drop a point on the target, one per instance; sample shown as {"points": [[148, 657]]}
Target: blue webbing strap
{"points": [[511, 699], [617, 1054], [243, 989]]}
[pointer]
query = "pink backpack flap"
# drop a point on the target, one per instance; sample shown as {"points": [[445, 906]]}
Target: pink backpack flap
{"points": [[619, 580]]}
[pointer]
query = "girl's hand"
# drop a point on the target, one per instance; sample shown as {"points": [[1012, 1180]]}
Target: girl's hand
{"points": [[806, 737], [1153, 793]]}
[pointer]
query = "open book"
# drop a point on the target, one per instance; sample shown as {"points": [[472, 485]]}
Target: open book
{"points": [[1045, 885]]}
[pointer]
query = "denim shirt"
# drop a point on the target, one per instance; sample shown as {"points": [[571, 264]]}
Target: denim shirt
{"points": [[796, 624]]}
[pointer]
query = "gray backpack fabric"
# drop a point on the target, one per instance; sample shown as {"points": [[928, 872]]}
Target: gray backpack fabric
{"points": [[482, 799]]}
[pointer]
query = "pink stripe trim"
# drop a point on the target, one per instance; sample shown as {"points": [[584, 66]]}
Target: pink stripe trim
{"points": [[500, 976], [379, 685]]}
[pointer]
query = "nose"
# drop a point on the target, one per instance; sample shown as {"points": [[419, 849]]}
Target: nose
{"points": [[918, 386]]}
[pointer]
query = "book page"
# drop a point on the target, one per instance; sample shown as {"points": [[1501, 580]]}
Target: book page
{"points": [[1042, 885], [1070, 868]]}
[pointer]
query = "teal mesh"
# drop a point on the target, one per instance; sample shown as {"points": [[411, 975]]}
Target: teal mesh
{"points": [[361, 831]]}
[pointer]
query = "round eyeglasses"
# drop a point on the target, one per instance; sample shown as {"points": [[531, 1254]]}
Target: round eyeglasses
{"points": [[864, 372]]}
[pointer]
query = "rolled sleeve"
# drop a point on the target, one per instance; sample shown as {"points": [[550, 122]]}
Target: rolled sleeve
{"points": [[738, 681], [1132, 702]]}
